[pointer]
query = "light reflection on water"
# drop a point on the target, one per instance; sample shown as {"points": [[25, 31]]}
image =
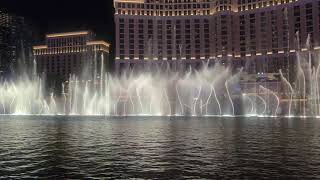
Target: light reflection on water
{"points": [[159, 147]]}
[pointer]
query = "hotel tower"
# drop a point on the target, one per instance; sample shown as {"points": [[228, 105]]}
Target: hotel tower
{"points": [[260, 35], [15, 42], [71, 53]]}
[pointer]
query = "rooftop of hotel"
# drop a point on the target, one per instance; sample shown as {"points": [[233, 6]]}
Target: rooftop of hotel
{"points": [[69, 40], [77, 33], [209, 5], [205, 1]]}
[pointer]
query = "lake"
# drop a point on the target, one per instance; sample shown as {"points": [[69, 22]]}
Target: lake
{"points": [[158, 148]]}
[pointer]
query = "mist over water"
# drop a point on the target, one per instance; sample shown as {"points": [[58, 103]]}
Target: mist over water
{"points": [[160, 93], [210, 91]]}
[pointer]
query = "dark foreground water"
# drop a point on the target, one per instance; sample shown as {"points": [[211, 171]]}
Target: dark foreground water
{"points": [[159, 148]]}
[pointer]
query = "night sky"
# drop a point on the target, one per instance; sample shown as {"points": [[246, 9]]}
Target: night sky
{"points": [[51, 16]]}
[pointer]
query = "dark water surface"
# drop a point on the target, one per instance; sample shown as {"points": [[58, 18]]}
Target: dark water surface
{"points": [[159, 148]]}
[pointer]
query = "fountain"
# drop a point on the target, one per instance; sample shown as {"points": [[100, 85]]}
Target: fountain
{"points": [[209, 91]]}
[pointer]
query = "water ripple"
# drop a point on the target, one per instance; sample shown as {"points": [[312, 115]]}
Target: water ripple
{"points": [[156, 148]]}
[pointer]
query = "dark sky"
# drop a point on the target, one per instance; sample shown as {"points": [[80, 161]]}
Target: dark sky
{"points": [[51, 16]]}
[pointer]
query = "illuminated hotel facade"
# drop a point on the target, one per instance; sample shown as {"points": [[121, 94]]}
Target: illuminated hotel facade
{"points": [[71, 53], [259, 35]]}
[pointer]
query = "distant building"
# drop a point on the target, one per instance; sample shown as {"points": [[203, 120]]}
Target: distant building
{"points": [[71, 53], [15, 42], [259, 35]]}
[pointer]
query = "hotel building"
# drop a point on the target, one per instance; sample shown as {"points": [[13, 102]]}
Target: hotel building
{"points": [[15, 38], [71, 53], [259, 35]]}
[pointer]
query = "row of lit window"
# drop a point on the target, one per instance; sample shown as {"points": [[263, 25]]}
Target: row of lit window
{"points": [[165, 13], [163, 6], [69, 50], [274, 52], [255, 5]]}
